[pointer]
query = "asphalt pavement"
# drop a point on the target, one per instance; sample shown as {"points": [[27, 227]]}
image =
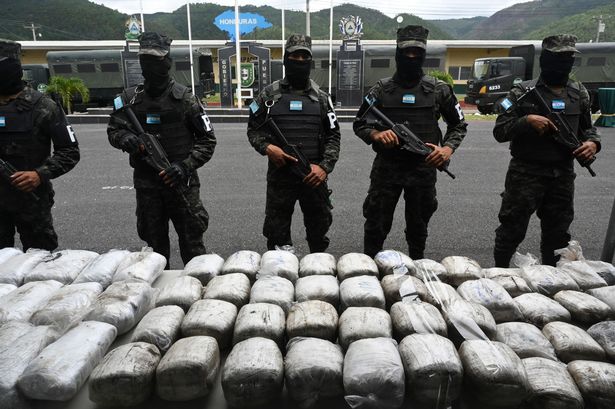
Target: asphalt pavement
{"points": [[95, 203]]}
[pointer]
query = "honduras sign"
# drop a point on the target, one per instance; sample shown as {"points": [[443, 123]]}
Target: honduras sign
{"points": [[248, 22]]}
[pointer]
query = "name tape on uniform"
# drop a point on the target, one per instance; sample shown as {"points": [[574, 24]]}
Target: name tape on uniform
{"points": [[296, 105], [2, 121], [408, 99], [558, 104], [152, 119]]}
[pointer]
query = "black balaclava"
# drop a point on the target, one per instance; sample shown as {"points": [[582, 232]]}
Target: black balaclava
{"points": [[409, 69], [156, 73], [297, 72], [10, 77], [555, 68]]}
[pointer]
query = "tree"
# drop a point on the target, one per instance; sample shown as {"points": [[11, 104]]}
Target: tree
{"points": [[67, 89], [444, 76]]}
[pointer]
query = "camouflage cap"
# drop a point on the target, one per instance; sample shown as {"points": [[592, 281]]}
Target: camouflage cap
{"points": [[412, 36], [154, 44], [298, 42], [10, 49], [560, 43]]}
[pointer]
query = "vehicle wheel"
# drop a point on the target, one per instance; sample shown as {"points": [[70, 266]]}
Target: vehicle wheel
{"points": [[484, 109]]}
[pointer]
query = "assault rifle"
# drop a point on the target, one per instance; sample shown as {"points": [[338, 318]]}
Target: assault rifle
{"points": [[565, 134], [302, 167], [153, 152], [7, 170], [408, 140]]}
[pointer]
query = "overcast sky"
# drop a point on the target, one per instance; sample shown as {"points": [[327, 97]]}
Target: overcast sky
{"points": [[432, 9]]}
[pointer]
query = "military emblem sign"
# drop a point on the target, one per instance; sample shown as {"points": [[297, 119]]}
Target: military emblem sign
{"points": [[247, 74], [351, 27], [133, 29]]}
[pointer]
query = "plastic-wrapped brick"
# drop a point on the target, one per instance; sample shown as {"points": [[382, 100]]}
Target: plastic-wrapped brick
{"points": [[585, 276], [583, 307], [551, 386], [494, 374], [492, 296], [313, 369], [515, 286], [189, 369], [273, 290], [361, 291], [398, 287], [572, 343], [68, 306], [260, 320], [279, 263], [182, 291], [316, 319], [253, 374], [245, 262], [440, 294], [14, 270], [63, 266], [548, 280], [234, 288], [363, 322], [605, 294], [317, 264], [102, 269], [429, 270], [416, 317], [434, 373], [62, 368], [462, 317], [144, 265], [7, 253], [6, 288], [214, 318], [356, 264], [125, 377], [604, 334], [318, 287], [393, 262], [19, 305], [596, 381], [159, 327], [122, 305], [460, 269], [204, 267], [525, 339], [540, 310], [374, 375]]}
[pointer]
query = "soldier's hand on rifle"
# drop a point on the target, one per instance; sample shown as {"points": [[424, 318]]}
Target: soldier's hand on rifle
{"points": [[387, 138], [130, 143], [316, 176], [586, 151], [541, 124], [278, 156], [173, 175], [26, 181], [438, 156]]}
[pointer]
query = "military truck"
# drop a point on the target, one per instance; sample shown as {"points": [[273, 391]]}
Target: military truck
{"points": [[492, 78]]}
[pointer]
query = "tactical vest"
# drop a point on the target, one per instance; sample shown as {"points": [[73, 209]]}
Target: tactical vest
{"points": [[413, 106], [299, 118], [17, 143], [535, 148], [163, 117]]}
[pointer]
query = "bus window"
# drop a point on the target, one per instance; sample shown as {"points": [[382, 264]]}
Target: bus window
{"points": [[62, 68], [380, 63], [110, 67], [324, 64], [182, 66], [86, 68], [596, 61]]}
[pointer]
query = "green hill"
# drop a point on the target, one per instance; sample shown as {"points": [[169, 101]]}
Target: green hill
{"points": [[582, 25], [458, 27]]}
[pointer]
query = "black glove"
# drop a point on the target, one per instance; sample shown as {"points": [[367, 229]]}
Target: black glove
{"points": [[130, 143], [175, 174]]}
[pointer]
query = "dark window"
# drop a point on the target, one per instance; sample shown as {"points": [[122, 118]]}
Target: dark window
{"points": [[62, 68], [465, 73], [110, 67], [577, 61], [504, 68], [432, 63], [454, 72], [182, 66], [86, 68], [596, 61], [324, 64], [380, 63]]}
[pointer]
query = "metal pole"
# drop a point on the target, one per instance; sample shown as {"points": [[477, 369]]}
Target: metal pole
{"points": [[609, 241], [190, 47], [238, 55], [283, 39], [307, 17], [142, 19], [330, 43]]}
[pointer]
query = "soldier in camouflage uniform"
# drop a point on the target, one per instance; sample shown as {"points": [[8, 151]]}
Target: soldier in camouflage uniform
{"points": [[419, 101], [29, 123], [170, 112], [304, 113], [541, 174]]}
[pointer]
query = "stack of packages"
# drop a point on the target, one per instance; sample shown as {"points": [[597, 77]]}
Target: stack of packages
{"points": [[376, 332]]}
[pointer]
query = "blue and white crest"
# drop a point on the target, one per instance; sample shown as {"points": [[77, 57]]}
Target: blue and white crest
{"points": [[506, 104], [296, 105], [558, 105], [408, 99], [351, 27], [152, 119]]}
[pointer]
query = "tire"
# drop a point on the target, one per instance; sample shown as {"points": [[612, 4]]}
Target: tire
{"points": [[485, 109]]}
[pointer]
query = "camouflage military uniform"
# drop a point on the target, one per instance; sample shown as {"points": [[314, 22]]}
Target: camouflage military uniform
{"points": [[185, 132], [540, 176], [29, 124], [284, 189], [395, 171]]}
